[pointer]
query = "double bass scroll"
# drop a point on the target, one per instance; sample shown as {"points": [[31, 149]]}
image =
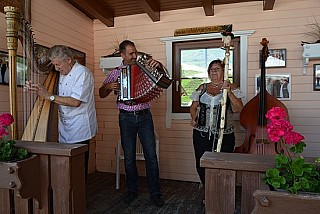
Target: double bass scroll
{"points": [[252, 116]]}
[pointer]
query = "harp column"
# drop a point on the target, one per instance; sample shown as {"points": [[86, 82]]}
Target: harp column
{"points": [[13, 24]]}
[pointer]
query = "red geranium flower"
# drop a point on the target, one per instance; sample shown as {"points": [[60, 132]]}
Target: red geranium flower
{"points": [[292, 137], [276, 113], [279, 129], [6, 119]]}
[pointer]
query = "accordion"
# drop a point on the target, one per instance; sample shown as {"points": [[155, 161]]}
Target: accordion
{"points": [[141, 83]]}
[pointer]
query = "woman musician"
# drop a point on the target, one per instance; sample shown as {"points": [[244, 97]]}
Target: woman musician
{"points": [[205, 114]]}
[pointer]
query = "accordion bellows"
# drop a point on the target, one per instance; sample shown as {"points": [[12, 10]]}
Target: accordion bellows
{"points": [[141, 83]]}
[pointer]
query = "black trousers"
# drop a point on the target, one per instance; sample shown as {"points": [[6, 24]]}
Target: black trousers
{"points": [[202, 143]]}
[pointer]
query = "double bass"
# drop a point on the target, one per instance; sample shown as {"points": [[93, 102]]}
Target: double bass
{"points": [[252, 116]]}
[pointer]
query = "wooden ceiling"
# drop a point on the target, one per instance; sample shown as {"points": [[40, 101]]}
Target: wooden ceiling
{"points": [[107, 10]]}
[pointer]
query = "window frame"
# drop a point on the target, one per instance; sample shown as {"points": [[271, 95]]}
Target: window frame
{"points": [[198, 44], [169, 65]]}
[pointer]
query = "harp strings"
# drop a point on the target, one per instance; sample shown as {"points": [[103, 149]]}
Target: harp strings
{"points": [[26, 72], [38, 69]]}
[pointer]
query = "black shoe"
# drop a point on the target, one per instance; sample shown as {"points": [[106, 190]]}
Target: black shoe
{"points": [[203, 203], [157, 200], [129, 197]]}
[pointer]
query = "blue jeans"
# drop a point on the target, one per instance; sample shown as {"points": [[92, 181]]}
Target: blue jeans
{"points": [[130, 126]]}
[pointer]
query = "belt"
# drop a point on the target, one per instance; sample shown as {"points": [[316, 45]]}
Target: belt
{"points": [[140, 112]]}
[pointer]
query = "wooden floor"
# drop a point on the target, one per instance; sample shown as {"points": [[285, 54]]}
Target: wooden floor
{"points": [[180, 197]]}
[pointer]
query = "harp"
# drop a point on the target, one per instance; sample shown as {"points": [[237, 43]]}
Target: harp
{"points": [[35, 119], [141, 83]]}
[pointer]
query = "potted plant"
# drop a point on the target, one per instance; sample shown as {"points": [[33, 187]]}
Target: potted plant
{"points": [[295, 178], [8, 151], [314, 31], [311, 50], [292, 171], [19, 170]]}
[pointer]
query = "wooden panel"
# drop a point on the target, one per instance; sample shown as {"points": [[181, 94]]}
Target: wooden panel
{"points": [[64, 149], [269, 202], [64, 191], [251, 181], [220, 191], [45, 187], [21, 206], [4, 201], [257, 163]]}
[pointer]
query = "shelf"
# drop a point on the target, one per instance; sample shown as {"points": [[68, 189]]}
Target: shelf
{"points": [[109, 63], [310, 52]]}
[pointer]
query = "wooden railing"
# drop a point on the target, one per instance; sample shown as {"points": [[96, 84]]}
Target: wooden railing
{"points": [[54, 184], [224, 171]]}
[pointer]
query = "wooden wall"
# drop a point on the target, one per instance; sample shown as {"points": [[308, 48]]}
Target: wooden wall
{"points": [[284, 27], [57, 22]]}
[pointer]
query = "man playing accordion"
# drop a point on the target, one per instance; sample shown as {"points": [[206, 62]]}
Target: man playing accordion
{"points": [[135, 118]]}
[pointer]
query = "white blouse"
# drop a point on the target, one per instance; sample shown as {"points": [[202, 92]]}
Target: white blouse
{"points": [[213, 108]]}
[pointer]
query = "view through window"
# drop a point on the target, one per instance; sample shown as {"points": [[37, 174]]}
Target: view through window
{"points": [[191, 60]]}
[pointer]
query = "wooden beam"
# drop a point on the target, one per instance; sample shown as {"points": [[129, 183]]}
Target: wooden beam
{"points": [[152, 8], [268, 4], [93, 8], [208, 6]]}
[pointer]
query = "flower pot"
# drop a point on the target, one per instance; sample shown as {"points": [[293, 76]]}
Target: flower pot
{"points": [[22, 176], [284, 202]]}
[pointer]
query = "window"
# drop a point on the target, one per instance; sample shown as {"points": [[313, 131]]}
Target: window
{"points": [[242, 46], [190, 63]]}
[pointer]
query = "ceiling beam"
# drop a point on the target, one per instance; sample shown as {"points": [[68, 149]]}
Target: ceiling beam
{"points": [[152, 8], [208, 6], [94, 9], [268, 4]]}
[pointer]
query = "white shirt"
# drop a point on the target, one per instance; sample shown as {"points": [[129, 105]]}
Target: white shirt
{"points": [[77, 124]]}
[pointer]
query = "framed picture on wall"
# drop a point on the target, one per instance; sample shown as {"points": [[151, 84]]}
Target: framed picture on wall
{"points": [[41, 65], [277, 85], [276, 59], [316, 77], [79, 56], [4, 68]]}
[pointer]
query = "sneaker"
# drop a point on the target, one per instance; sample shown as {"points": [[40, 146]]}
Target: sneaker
{"points": [[129, 197], [157, 200]]}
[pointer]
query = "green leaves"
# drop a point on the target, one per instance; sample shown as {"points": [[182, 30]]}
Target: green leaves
{"points": [[298, 148], [294, 174], [274, 178], [8, 152]]}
